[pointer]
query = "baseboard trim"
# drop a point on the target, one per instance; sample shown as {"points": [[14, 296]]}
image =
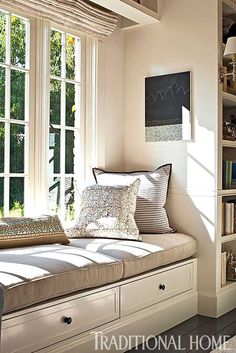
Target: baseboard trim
{"points": [[207, 304], [217, 304], [226, 300]]}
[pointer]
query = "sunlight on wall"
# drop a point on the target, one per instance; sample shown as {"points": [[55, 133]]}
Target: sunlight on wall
{"points": [[206, 208], [201, 175]]}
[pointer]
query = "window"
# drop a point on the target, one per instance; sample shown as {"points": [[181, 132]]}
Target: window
{"points": [[64, 132], [42, 124], [14, 112]]}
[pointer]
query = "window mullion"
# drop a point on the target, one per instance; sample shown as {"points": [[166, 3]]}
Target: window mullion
{"points": [[41, 111], [7, 116], [8, 39], [63, 122], [77, 60], [6, 195], [67, 47], [62, 145], [27, 41], [7, 168], [63, 56]]}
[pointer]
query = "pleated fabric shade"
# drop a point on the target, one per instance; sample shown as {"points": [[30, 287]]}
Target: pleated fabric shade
{"points": [[80, 15]]}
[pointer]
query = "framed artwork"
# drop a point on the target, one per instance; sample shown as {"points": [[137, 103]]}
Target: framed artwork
{"points": [[168, 107]]}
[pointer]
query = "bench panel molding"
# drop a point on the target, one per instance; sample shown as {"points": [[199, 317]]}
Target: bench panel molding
{"points": [[104, 308]]}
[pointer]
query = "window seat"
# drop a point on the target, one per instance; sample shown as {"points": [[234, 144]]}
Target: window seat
{"points": [[32, 275]]}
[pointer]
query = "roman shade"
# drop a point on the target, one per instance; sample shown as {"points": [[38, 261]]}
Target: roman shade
{"points": [[80, 15]]}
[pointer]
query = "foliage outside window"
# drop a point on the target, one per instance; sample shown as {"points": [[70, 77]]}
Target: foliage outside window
{"points": [[64, 130], [64, 135], [14, 112]]}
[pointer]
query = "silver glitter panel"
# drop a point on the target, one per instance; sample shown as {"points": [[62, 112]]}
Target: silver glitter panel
{"points": [[163, 133]]}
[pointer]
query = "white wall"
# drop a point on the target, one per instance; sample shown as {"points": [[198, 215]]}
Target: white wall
{"points": [[185, 39], [113, 101]]}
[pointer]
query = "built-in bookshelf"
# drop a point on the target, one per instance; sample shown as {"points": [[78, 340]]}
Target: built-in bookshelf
{"points": [[227, 162]]}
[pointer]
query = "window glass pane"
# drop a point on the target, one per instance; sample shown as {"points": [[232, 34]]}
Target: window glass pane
{"points": [[16, 200], [17, 147], [69, 158], [70, 57], [2, 148], [55, 102], [17, 95], [64, 111], [54, 194], [2, 37], [54, 150], [56, 50], [1, 196], [70, 104], [2, 92], [18, 41], [69, 199]]}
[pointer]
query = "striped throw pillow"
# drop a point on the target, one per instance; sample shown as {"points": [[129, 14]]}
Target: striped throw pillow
{"points": [[150, 214]]}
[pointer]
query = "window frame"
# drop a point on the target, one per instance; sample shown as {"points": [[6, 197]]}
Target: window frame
{"points": [[36, 190], [43, 115], [63, 127], [28, 122]]}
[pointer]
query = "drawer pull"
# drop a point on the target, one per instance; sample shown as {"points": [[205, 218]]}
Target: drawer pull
{"points": [[67, 320], [162, 287]]}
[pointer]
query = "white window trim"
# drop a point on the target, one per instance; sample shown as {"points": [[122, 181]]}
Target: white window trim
{"points": [[88, 122], [29, 106], [39, 107]]}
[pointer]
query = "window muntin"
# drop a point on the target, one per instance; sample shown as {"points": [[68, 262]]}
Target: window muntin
{"points": [[64, 130], [14, 112]]}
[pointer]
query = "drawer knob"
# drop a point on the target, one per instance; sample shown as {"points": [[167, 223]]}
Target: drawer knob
{"points": [[67, 320], [162, 287]]}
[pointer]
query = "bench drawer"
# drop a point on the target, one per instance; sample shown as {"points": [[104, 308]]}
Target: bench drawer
{"points": [[49, 324], [155, 288]]}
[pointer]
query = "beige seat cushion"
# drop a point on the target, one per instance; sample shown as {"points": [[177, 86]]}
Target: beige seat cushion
{"points": [[31, 275], [156, 250]]}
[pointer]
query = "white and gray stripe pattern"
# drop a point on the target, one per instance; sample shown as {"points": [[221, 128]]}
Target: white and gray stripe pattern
{"points": [[150, 215]]}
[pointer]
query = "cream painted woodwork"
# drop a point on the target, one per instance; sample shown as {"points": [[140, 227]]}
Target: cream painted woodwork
{"points": [[103, 309], [226, 297], [195, 192], [141, 324], [160, 287], [48, 325], [134, 14]]}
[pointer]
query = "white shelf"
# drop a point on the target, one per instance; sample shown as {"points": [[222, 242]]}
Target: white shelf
{"points": [[228, 143], [228, 238], [228, 285], [229, 100], [129, 9], [228, 192]]}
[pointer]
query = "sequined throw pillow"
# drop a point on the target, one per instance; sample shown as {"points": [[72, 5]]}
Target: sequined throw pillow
{"points": [[22, 231], [108, 212]]}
